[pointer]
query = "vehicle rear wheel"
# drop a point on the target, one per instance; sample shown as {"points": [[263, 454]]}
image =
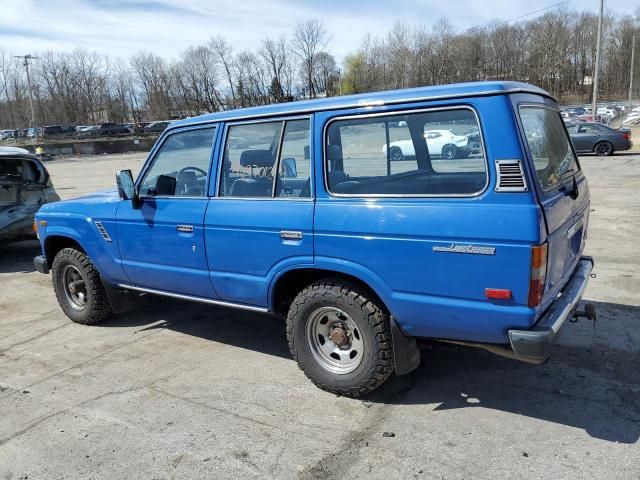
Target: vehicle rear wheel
{"points": [[395, 154], [78, 287], [340, 337], [449, 152], [603, 149]]}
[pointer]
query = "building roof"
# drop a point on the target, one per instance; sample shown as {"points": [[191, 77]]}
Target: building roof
{"points": [[407, 95]]}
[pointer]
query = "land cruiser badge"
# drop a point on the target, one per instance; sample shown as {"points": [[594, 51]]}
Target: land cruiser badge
{"points": [[472, 249]]}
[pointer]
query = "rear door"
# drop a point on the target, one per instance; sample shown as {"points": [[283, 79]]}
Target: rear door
{"points": [[562, 189], [260, 219]]}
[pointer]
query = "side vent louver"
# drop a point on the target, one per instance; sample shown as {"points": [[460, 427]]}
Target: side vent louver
{"points": [[103, 231], [510, 176]]}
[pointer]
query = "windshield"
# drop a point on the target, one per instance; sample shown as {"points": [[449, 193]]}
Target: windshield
{"points": [[549, 145]]}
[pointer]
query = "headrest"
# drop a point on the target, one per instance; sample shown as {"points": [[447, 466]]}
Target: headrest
{"points": [[256, 158], [165, 185], [187, 177], [334, 152]]}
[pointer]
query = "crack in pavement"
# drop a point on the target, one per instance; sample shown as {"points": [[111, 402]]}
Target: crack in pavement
{"points": [[43, 419], [89, 360], [240, 417], [36, 337]]}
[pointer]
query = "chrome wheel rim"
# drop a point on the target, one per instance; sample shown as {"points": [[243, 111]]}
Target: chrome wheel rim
{"points": [[75, 288], [448, 153], [334, 340], [396, 154]]}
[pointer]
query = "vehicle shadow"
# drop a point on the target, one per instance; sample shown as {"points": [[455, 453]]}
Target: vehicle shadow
{"points": [[18, 257], [590, 384], [247, 330]]}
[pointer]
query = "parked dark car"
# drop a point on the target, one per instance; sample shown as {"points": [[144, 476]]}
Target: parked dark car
{"points": [[156, 127], [109, 129], [599, 139], [52, 131], [24, 186]]}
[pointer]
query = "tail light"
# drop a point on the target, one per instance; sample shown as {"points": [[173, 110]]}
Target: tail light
{"points": [[538, 274], [35, 229], [626, 135]]}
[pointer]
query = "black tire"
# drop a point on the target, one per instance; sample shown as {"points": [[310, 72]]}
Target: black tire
{"points": [[96, 308], [395, 154], [372, 331], [603, 149], [449, 152]]}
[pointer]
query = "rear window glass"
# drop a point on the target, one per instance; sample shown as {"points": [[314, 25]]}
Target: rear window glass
{"points": [[421, 153], [549, 145]]}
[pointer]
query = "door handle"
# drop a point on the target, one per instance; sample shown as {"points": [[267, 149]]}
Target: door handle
{"points": [[184, 228], [290, 235]]}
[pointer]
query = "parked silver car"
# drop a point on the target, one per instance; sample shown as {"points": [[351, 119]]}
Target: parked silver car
{"points": [[25, 185]]}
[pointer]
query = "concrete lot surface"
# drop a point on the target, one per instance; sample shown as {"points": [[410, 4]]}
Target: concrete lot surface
{"points": [[178, 390]]}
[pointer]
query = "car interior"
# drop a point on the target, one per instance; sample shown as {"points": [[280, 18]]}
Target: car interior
{"points": [[423, 180]]}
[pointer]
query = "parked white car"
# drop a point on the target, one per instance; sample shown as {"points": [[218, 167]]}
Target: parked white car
{"points": [[442, 143]]}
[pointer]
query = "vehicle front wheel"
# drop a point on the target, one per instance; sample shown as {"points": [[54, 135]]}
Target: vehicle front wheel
{"points": [[603, 149], [395, 154], [340, 337], [78, 287], [449, 152]]}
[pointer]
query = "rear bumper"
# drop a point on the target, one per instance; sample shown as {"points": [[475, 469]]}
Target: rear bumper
{"points": [[534, 345], [41, 264]]}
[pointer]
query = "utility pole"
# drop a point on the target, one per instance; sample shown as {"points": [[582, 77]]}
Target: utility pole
{"points": [[633, 58], [596, 67], [26, 59]]}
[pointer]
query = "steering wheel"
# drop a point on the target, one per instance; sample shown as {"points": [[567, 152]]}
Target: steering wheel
{"points": [[188, 189], [185, 169]]}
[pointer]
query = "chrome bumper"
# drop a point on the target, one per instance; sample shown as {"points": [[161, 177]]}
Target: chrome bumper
{"points": [[534, 346]]}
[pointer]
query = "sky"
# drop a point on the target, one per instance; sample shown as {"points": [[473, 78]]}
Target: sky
{"points": [[167, 27]]}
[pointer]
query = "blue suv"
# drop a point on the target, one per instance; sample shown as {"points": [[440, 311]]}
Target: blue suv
{"points": [[473, 234]]}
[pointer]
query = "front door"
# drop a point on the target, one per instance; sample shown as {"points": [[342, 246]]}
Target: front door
{"points": [[162, 242], [260, 221]]}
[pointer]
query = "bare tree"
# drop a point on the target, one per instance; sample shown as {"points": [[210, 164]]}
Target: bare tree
{"points": [[309, 39], [224, 53]]}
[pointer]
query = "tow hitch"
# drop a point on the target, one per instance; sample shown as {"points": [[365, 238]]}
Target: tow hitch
{"points": [[588, 312]]}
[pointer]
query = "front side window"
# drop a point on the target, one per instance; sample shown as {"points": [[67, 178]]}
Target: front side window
{"points": [[181, 166], [549, 145], [267, 159], [436, 152]]}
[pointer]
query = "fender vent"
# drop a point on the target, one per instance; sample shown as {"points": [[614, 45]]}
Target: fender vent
{"points": [[103, 231], [510, 176]]}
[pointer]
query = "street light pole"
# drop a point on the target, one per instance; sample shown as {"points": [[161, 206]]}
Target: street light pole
{"points": [[633, 58], [26, 59], [596, 67]]}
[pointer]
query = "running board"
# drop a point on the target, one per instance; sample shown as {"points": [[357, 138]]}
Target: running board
{"points": [[180, 296]]}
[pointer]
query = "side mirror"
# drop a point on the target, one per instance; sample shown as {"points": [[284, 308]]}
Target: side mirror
{"points": [[126, 187], [290, 169]]}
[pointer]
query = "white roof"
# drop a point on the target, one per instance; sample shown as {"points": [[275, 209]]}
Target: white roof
{"points": [[14, 151]]}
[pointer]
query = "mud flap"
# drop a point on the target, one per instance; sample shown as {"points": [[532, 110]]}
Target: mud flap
{"points": [[406, 354], [121, 300]]}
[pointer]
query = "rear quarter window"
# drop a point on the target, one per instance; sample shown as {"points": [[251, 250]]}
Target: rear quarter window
{"points": [[549, 145], [422, 153]]}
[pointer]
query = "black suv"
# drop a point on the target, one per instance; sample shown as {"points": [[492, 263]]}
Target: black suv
{"points": [[109, 129]]}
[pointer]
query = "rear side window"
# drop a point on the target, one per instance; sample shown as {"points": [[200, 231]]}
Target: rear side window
{"points": [[435, 152], [267, 160], [549, 145]]}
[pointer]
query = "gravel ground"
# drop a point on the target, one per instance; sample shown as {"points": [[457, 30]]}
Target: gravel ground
{"points": [[177, 390]]}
